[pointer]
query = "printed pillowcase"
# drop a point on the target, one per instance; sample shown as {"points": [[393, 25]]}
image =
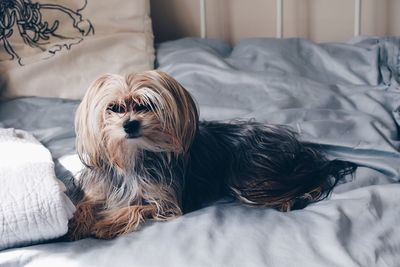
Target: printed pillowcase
{"points": [[55, 48]]}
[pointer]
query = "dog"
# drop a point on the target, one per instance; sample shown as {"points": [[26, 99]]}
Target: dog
{"points": [[148, 157]]}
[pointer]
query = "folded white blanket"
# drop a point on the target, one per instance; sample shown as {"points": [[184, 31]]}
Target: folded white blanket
{"points": [[33, 206]]}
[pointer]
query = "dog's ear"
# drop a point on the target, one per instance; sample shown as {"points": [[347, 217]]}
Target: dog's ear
{"points": [[186, 114], [88, 119]]}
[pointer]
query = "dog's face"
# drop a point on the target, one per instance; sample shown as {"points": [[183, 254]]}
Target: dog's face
{"points": [[121, 116]]}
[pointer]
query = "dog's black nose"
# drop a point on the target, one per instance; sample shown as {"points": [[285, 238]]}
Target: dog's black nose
{"points": [[132, 128]]}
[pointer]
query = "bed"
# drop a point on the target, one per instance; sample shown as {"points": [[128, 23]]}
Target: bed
{"points": [[342, 97]]}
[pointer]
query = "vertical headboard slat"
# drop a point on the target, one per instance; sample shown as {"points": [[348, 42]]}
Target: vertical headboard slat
{"points": [[279, 18], [203, 23], [357, 18]]}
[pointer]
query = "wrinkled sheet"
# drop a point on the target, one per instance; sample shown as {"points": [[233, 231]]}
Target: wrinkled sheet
{"points": [[344, 98]]}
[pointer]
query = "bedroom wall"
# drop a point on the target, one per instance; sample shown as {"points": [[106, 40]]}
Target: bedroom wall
{"points": [[318, 20]]}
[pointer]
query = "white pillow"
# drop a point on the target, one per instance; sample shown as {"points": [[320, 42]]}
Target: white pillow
{"points": [[55, 48]]}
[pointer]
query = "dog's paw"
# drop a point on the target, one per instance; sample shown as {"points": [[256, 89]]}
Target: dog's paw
{"points": [[81, 224], [122, 221], [106, 229], [115, 224]]}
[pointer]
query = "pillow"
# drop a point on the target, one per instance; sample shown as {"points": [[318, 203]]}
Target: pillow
{"points": [[55, 48]]}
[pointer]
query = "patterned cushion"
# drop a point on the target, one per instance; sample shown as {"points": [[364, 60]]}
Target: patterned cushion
{"points": [[55, 48]]}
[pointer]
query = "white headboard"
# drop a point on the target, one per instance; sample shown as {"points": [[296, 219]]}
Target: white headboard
{"points": [[232, 20], [279, 18]]}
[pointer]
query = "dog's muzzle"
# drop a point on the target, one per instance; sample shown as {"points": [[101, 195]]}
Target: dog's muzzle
{"points": [[132, 128]]}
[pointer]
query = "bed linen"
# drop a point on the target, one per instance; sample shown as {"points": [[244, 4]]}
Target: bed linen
{"points": [[344, 98], [33, 205]]}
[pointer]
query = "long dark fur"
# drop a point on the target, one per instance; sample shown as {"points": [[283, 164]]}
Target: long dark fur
{"points": [[260, 164]]}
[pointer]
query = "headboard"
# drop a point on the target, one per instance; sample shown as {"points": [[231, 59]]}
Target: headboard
{"points": [[232, 20]]}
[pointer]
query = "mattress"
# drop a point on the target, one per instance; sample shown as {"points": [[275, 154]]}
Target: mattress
{"points": [[342, 97]]}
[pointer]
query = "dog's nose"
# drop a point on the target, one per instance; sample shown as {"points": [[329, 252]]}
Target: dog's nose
{"points": [[132, 127]]}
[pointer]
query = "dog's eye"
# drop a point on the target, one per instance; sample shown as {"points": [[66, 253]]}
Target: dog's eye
{"points": [[116, 108], [142, 107]]}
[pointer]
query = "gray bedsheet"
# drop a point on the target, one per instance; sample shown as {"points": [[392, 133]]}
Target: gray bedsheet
{"points": [[345, 98]]}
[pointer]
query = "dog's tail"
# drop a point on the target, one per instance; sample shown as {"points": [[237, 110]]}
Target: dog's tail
{"points": [[300, 184], [315, 181], [288, 174]]}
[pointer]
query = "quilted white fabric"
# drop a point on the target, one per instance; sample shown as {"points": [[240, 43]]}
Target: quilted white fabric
{"points": [[33, 206]]}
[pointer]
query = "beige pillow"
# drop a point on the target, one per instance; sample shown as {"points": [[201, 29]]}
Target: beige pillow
{"points": [[55, 48]]}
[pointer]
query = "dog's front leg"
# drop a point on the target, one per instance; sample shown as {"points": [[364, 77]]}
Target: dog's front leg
{"points": [[81, 224], [85, 216], [120, 221]]}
